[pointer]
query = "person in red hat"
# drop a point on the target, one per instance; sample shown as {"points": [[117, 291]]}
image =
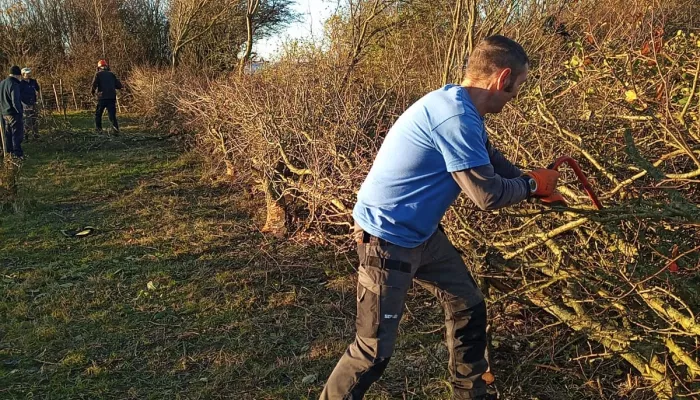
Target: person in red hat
{"points": [[104, 86]]}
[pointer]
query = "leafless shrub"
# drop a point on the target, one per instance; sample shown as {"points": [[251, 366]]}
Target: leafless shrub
{"points": [[154, 94]]}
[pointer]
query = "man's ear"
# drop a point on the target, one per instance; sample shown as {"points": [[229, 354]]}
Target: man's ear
{"points": [[503, 80]]}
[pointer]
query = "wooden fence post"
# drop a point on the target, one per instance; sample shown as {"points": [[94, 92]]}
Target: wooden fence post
{"points": [[74, 99], [63, 101], [55, 93]]}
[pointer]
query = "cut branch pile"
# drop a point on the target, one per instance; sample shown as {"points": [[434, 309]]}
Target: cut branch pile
{"points": [[625, 276]]}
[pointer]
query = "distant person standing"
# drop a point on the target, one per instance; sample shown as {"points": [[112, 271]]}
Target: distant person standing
{"points": [[30, 93], [12, 112], [105, 86]]}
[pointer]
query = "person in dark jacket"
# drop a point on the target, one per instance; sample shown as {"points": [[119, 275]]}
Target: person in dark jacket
{"points": [[105, 85], [30, 92], [12, 112]]}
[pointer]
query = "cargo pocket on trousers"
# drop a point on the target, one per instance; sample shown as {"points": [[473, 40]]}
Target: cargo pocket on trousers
{"points": [[391, 304], [367, 322]]}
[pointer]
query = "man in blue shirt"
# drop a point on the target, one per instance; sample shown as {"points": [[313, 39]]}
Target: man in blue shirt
{"points": [[30, 92], [435, 150]]}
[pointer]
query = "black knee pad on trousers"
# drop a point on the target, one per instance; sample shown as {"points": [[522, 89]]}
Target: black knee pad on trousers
{"points": [[367, 379], [468, 319], [469, 336]]}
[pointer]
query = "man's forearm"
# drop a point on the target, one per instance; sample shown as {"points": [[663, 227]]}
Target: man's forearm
{"points": [[488, 190], [501, 165]]}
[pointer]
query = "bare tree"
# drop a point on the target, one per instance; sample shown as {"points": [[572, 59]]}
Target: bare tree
{"points": [[190, 20], [251, 9], [99, 13]]}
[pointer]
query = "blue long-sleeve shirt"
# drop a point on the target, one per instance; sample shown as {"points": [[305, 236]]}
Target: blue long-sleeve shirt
{"points": [[30, 88]]}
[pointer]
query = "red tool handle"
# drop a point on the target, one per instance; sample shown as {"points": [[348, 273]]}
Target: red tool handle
{"points": [[581, 177]]}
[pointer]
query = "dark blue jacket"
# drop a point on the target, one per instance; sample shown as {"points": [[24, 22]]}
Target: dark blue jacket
{"points": [[10, 97], [105, 85], [30, 89]]}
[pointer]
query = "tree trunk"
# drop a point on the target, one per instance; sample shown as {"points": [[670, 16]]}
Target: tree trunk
{"points": [[249, 45], [276, 219], [449, 57], [173, 58], [252, 9], [98, 13], [230, 169]]}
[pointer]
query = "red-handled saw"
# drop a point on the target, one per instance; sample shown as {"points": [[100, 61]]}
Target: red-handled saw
{"points": [[557, 198]]}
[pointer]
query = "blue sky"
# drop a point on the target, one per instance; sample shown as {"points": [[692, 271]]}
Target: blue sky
{"points": [[313, 14]]}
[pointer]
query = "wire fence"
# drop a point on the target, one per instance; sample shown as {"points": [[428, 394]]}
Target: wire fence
{"points": [[63, 98]]}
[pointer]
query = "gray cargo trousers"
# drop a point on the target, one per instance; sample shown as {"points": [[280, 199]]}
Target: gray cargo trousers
{"points": [[384, 277]]}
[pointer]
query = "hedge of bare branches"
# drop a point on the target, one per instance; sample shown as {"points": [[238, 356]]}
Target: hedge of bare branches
{"points": [[613, 84]]}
